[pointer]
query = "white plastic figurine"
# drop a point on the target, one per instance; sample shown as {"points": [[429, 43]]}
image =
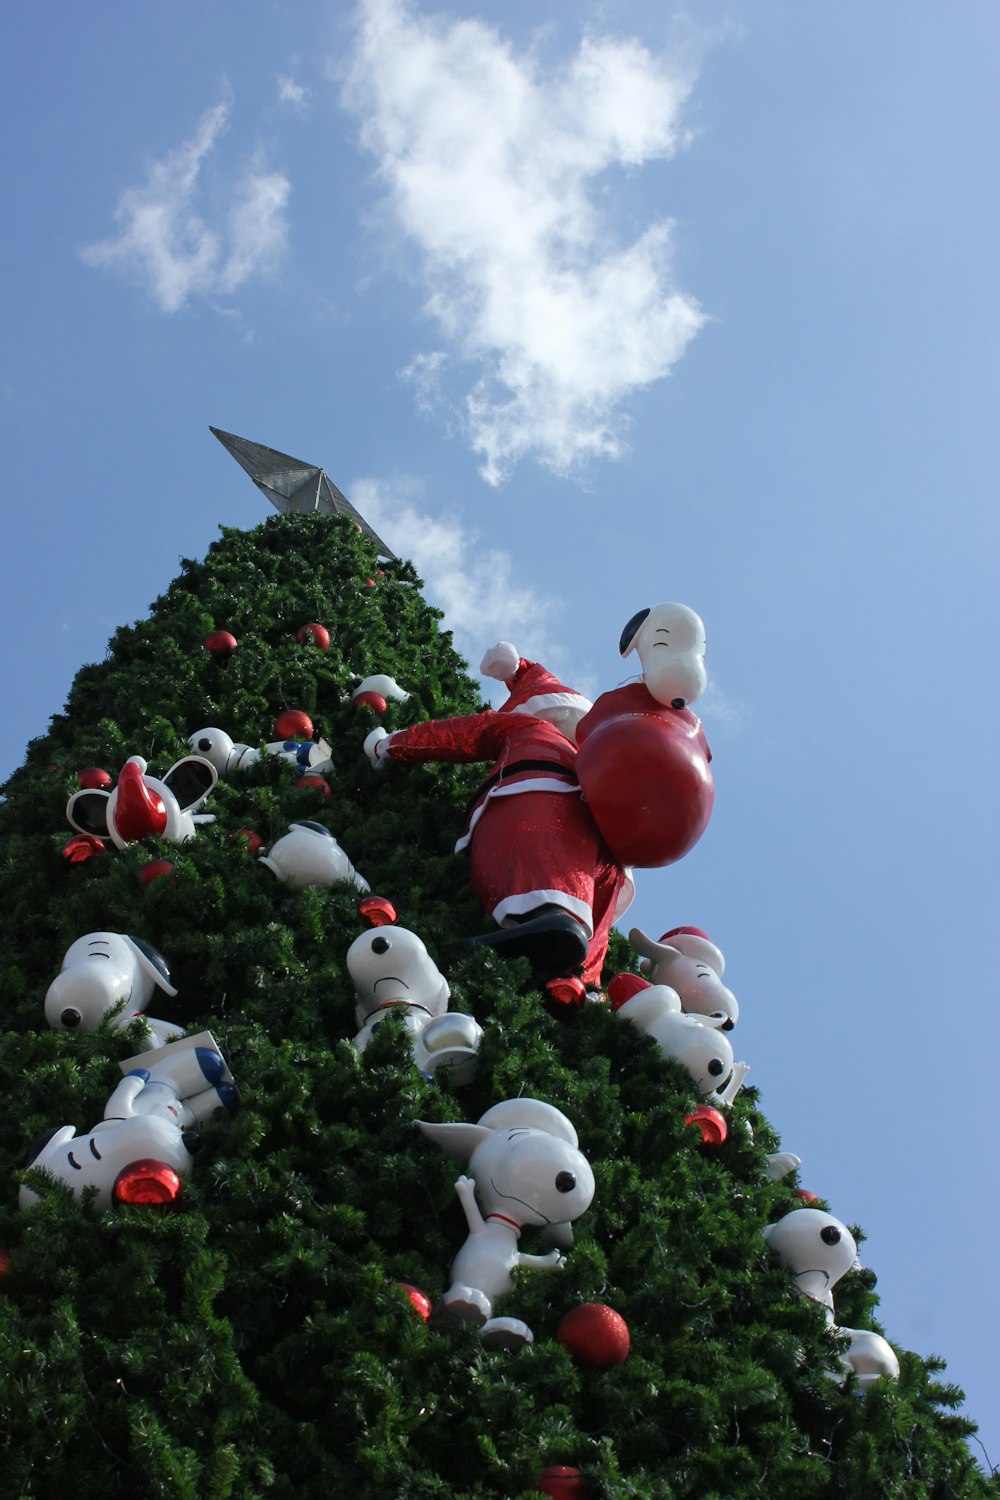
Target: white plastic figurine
{"points": [[110, 973], [140, 1151], [228, 757], [697, 1042], [818, 1249], [526, 1169], [688, 961], [669, 640], [142, 806], [394, 974], [308, 854], [381, 686]]}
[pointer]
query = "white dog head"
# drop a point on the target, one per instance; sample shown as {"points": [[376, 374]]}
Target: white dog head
{"points": [[392, 965], [670, 642], [817, 1248]]}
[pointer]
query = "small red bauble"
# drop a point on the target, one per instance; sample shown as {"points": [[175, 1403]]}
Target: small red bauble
{"points": [[806, 1195], [93, 779], [419, 1301], [4, 1264], [149, 1183], [313, 635], [253, 841], [369, 583], [371, 700], [155, 870], [314, 781], [221, 644], [83, 847], [568, 991], [293, 724], [710, 1122], [377, 912], [563, 1483], [595, 1335]]}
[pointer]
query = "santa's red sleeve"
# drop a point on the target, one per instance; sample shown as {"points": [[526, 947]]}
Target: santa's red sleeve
{"points": [[467, 738]]}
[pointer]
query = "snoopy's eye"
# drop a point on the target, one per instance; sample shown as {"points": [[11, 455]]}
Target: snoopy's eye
{"points": [[565, 1182], [94, 1151], [380, 945], [715, 1067], [70, 1018], [205, 744], [830, 1234]]}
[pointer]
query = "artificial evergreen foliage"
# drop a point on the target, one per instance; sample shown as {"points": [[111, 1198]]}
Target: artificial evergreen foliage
{"points": [[254, 1341]]}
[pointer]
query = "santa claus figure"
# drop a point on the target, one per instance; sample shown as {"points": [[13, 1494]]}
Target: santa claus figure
{"points": [[538, 862]]}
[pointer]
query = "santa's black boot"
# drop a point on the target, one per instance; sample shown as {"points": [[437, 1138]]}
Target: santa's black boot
{"points": [[553, 942]]}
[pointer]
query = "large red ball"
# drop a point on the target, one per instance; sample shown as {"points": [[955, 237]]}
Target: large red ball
{"points": [[370, 700], [221, 644], [293, 724], [645, 776], [377, 912], [317, 782], [155, 870], [562, 1482], [313, 635], [595, 1335], [710, 1123], [419, 1301], [92, 778]]}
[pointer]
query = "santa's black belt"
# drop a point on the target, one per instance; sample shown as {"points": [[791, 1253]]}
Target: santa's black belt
{"points": [[552, 767]]}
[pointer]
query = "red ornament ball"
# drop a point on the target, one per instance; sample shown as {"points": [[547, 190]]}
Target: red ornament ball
{"points": [[221, 644], [563, 1483], [313, 635], [93, 779], [253, 841], [710, 1122], [595, 1335], [370, 700], [369, 583], [148, 1183], [293, 724], [567, 990], [806, 1196], [377, 912], [314, 781], [419, 1301], [4, 1264], [155, 870], [83, 847]]}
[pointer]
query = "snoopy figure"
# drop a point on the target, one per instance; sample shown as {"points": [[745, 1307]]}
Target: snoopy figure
{"points": [[308, 854], [526, 1168], [695, 1041], [669, 640], [688, 961], [110, 974], [228, 757], [142, 806], [818, 1249], [141, 1150], [394, 974]]}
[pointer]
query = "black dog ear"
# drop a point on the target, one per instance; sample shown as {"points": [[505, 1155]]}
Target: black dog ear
{"points": [[88, 812], [39, 1143], [190, 780], [630, 632]]}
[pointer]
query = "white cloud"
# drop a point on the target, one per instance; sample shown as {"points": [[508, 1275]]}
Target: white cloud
{"points": [[295, 94], [472, 587], [172, 250], [490, 164]]}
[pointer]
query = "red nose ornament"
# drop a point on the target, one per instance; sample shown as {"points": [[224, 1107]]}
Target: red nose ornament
{"points": [[139, 811], [148, 1184]]}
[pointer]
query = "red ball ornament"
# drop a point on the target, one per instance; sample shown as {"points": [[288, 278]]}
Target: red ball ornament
{"points": [[371, 700], [4, 1264], [419, 1301], [563, 1483], [806, 1196], [253, 841], [155, 870], [313, 635], [83, 847], [645, 776], [595, 1335], [377, 912], [293, 724], [93, 779], [710, 1122], [568, 991], [314, 781], [148, 1183], [221, 644], [369, 583]]}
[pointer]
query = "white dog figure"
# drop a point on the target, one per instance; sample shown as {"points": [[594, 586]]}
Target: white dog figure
{"points": [[688, 961], [526, 1167], [818, 1249], [141, 1150], [696, 1042], [142, 806], [669, 640], [379, 685], [308, 854], [228, 757], [394, 974], [110, 973]]}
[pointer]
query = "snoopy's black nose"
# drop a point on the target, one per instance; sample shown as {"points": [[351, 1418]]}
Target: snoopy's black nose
{"points": [[192, 1141], [678, 702], [565, 1182], [71, 1018], [380, 945]]}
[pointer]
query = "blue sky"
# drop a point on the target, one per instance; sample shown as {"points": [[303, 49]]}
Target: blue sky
{"points": [[587, 307]]}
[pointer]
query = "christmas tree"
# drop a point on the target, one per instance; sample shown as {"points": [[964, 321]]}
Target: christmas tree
{"points": [[259, 1339]]}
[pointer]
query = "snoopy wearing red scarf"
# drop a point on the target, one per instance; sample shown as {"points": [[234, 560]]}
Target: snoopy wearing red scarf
{"points": [[538, 862]]}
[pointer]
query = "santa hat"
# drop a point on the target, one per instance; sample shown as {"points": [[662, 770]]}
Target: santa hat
{"points": [[534, 689], [694, 943]]}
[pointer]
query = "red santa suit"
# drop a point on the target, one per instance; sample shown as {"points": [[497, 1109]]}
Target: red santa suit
{"points": [[530, 837]]}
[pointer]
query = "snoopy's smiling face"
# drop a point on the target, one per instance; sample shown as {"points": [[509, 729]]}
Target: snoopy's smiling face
{"points": [[671, 647], [95, 1160], [531, 1177]]}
